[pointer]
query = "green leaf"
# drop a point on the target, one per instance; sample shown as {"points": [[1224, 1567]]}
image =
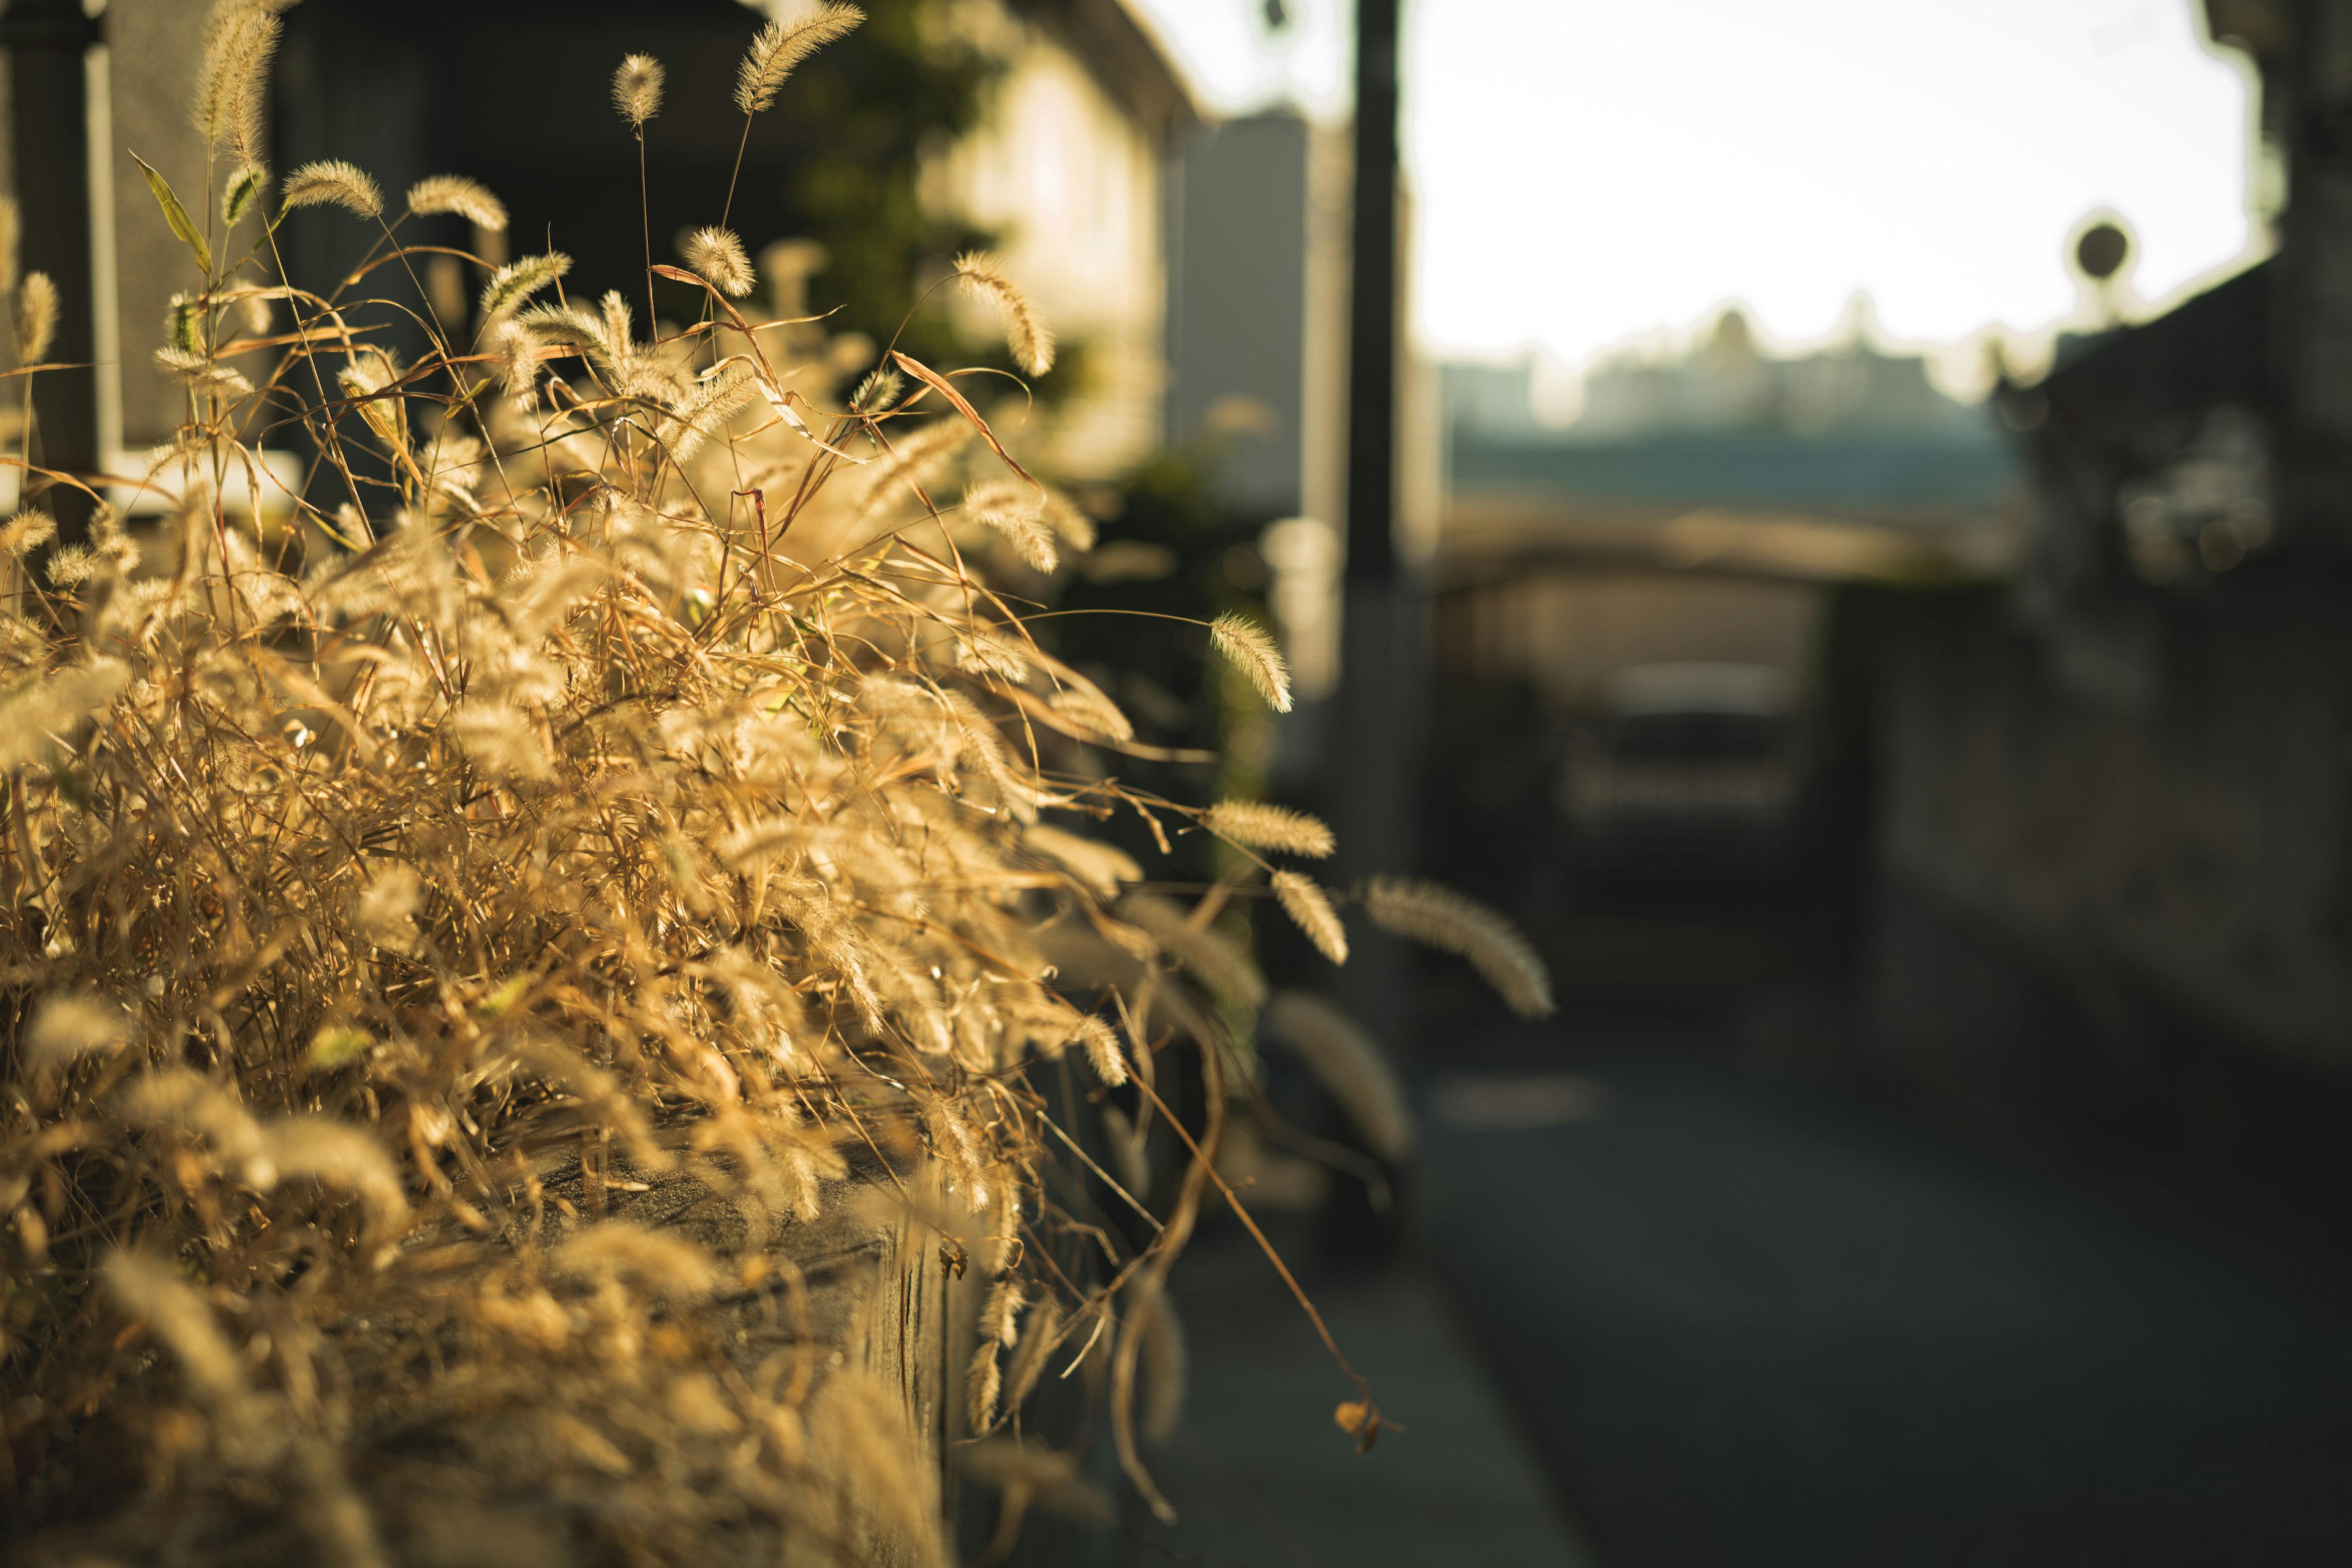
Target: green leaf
{"points": [[508, 993], [337, 1044], [176, 214]]}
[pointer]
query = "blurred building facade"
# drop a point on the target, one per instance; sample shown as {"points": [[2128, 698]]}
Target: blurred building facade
{"points": [[1068, 155], [2113, 835], [1700, 504]]}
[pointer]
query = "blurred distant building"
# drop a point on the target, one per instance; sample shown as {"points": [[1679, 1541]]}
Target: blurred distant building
{"points": [[1258, 366], [1495, 400], [1700, 504], [1727, 382]]}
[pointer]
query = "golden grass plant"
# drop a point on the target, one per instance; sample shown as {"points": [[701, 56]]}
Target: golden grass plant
{"points": [[458, 973]]}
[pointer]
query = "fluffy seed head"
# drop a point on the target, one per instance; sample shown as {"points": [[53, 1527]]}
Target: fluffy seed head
{"points": [[332, 182], [244, 186], [637, 89], [1101, 867], [337, 1154], [718, 255], [656, 1261], [233, 74], [783, 44], [1100, 1042], [470, 199], [1304, 902], [1349, 1066], [511, 285], [1253, 654], [37, 317], [1439, 917], [1014, 511], [1086, 703], [878, 392], [982, 1383], [67, 1027], [26, 532], [152, 1291], [1028, 339], [1263, 827], [1218, 964]]}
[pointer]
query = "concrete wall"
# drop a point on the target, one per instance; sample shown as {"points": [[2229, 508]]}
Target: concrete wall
{"points": [[2148, 812]]}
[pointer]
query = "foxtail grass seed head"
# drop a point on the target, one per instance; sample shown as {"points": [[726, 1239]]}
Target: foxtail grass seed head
{"points": [[468, 199], [982, 1383], [718, 256], [183, 320], [878, 394], [1259, 825], [240, 39], [1253, 654], [1305, 903], [67, 1027], [1028, 339], [151, 1291], [37, 317], [1014, 511], [1351, 1066], [638, 89], [1439, 917], [511, 285], [1100, 1042], [332, 182], [245, 185], [783, 44], [26, 532]]}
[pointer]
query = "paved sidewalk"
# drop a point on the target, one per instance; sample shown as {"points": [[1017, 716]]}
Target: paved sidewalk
{"points": [[1262, 1477], [1756, 1323]]}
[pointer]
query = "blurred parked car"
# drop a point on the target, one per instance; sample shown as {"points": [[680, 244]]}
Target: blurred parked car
{"points": [[1688, 772]]}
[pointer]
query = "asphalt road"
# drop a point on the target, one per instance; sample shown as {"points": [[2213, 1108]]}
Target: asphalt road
{"points": [[1754, 1323]]}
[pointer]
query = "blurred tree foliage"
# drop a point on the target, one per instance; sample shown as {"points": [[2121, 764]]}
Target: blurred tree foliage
{"points": [[856, 126], [1171, 548]]}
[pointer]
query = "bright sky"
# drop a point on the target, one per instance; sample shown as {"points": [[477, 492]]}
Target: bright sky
{"points": [[1590, 172]]}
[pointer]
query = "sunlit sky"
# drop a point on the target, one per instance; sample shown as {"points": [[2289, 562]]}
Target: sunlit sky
{"points": [[1591, 173]]}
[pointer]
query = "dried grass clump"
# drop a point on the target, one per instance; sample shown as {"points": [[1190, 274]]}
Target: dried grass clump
{"points": [[458, 980]]}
